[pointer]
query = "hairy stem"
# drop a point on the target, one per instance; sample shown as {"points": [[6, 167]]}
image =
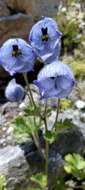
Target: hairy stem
{"points": [[35, 136], [47, 157], [57, 113], [36, 142], [46, 143], [28, 86]]}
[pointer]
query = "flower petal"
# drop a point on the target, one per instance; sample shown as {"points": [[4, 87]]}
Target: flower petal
{"points": [[17, 64], [14, 92], [55, 80], [49, 47]]}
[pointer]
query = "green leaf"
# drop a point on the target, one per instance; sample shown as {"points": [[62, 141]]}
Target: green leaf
{"points": [[50, 136], [80, 162], [59, 184], [2, 183], [40, 179], [24, 127], [68, 169], [31, 111], [75, 164], [60, 126]]}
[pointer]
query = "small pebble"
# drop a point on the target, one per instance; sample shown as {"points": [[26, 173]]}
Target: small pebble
{"points": [[2, 141], [4, 128], [80, 104], [22, 106], [10, 130], [9, 138], [82, 117]]}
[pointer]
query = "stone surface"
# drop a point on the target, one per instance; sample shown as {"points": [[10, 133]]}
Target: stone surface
{"points": [[17, 162], [35, 8], [80, 104], [4, 11], [18, 17], [14, 166], [69, 140], [82, 117], [14, 26]]}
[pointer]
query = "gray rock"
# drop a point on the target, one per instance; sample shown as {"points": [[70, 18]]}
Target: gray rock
{"points": [[16, 163], [68, 141], [82, 117], [55, 169], [14, 166]]}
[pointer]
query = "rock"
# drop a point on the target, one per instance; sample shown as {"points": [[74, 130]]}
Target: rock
{"points": [[17, 162], [76, 117], [80, 104], [47, 8], [2, 141], [14, 166], [78, 93], [4, 11], [82, 117], [14, 26], [66, 143], [81, 90], [9, 130], [55, 169]]}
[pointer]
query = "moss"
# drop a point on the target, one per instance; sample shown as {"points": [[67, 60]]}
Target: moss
{"points": [[77, 65], [65, 104], [78, 68], [71, 22]]}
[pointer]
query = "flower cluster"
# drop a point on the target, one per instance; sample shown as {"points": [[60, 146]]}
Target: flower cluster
{"points": [[17, 56]]}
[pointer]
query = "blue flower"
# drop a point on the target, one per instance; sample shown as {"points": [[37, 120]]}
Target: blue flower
{"points": [[45, 39], [55, 80], [16, 56], [14, 92]]}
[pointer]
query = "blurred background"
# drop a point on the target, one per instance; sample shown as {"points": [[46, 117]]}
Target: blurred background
{"points": [[18, 16]]}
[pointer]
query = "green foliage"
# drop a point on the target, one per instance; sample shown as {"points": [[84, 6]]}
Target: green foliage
{"points": [[50, 136], [3, 183], [77, 65], [30, 110], [60, 126], [40, 179], [75, 165], [70, 19], [60, 184], [24, 127], [65, 104]]}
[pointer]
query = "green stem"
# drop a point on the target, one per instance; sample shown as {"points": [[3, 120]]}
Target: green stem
{"points": [[44, 118], [34, 135], [46, 143], [47, 157], [57, 113], [36, 142], [28, 86]]}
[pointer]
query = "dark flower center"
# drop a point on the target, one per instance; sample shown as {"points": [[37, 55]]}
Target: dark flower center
{"points": [[16, 51], [44, 34], [52, 78]]}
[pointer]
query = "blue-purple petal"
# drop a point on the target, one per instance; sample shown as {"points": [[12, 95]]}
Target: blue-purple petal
{"points": [[22, 63], [14, 92], [49, 50], [55, 80]]}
